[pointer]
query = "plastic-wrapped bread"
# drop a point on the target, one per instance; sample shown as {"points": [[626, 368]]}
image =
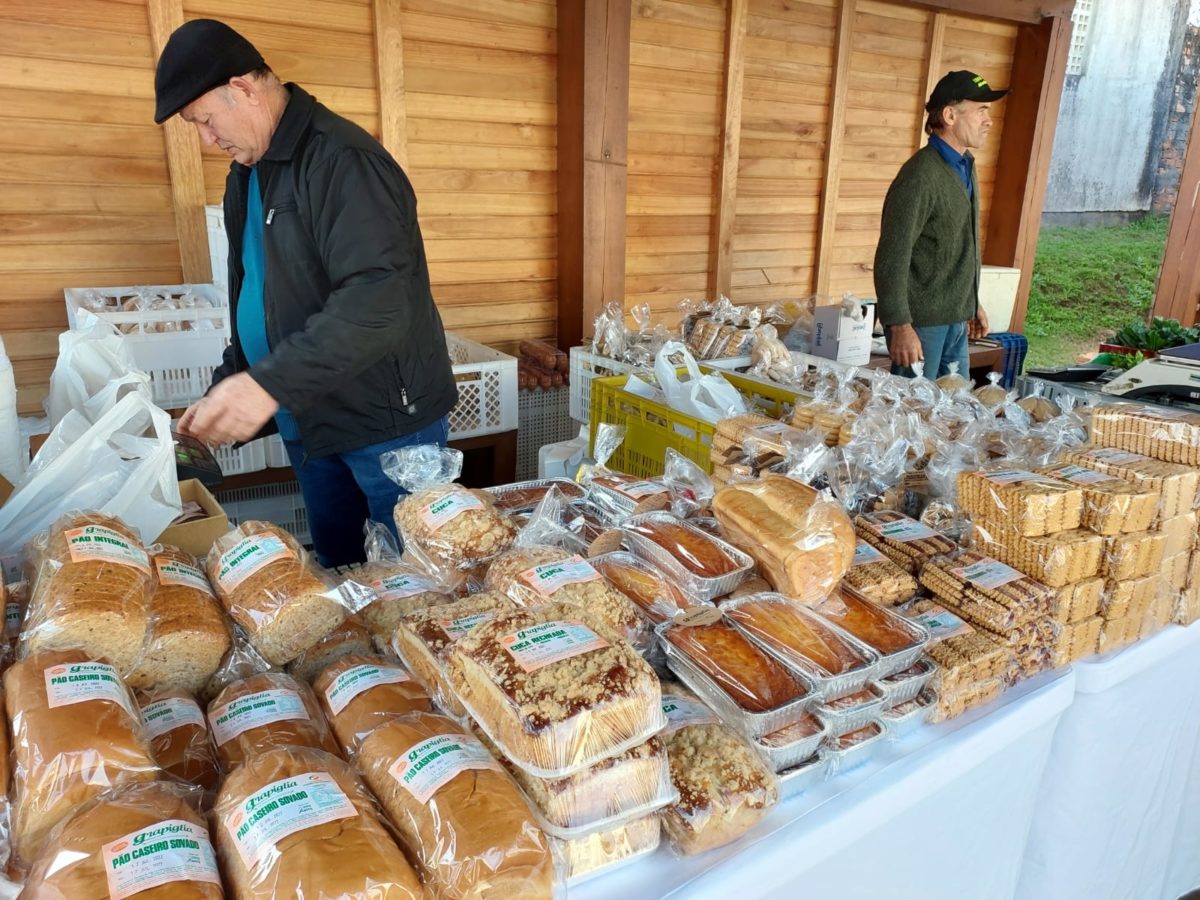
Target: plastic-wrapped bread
{"points": [[264, 711], [349, 637], [421, 639], [463, 820], [447, 527], [359, 693], [91, 590], [878, 578], [1078, 641], [803, 541], [1055, 559], [324, 841], [1031, 504], [189, 632], [1178, 486], [878, 628], [402, 589], [602, 849], [179, 738], [1172, 435], [798, 635], [75, 733], [725, 787], [555, 688], [1179, 533], [908, 543], [1111, 505], [1128, 598], [269, 586], [143, 840], [655, 595]]}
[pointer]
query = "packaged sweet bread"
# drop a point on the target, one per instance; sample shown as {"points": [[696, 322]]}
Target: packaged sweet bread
{"points": [[178, 734], [624, 495], [555, 688], [264, 711], [91, 589], [1111, 505], [1029, 503], [988, 592], [590, 855], [905, 541], [349, 637], [421, 639], [270, 587], [1172, 435], [75, 733], [1178, 486], [656, 595], [802, 540], [358, 693], [1129, 556], [144, 840], [878, 578], [188, 631], [725, 787], [885, 632], [296, 822], [460, 816], [697, 555], [1055, 559]]}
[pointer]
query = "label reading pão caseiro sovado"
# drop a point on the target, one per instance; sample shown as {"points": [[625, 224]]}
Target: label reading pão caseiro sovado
{"points": [[356, 679], [447, 508], [550, 642], [548, 579], [433, 762], [71, 683], [253, 710], [95, 543], [168, 851], [248, 556], [282, 808]]}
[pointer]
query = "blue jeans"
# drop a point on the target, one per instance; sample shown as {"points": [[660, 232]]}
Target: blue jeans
{"points": [[342, 491], [941, 345]]}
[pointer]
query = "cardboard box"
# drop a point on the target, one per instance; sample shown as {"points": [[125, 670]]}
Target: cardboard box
{"points": [[839, 337], [197, 536]]}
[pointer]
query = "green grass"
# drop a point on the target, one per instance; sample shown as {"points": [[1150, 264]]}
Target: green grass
{"points": [[1087, 283]]}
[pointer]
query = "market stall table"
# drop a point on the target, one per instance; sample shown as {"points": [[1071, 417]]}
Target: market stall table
{"points": [[943, 813]]}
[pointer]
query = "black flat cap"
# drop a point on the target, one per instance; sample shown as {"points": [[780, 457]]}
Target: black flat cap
{"points": [[200, 55], [962, 85]]}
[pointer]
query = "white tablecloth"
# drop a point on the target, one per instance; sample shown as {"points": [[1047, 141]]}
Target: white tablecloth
{"points": [[1119, 813], [942, 814]]}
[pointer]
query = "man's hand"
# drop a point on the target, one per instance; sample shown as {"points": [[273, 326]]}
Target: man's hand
{"points": [[232, 411], [904, 346], [978, 327]]}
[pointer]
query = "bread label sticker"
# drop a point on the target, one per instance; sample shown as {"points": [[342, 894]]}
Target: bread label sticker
{"points": [[551, 642], [12, 618], [548, 579], [942, 624], [771, 430], [181, 574], [71, 683], [903, 530], [864, 554], [356, 679], [988, 573], [433, 762], [170, 713], [254, 710], [637, 490], [442, 511], [95, 543], [173, 850], [456, 628], [1014, 476], [1116, 457], [1080, 475], [247, 556], [282, 808], [684, 711], [397, 587]]}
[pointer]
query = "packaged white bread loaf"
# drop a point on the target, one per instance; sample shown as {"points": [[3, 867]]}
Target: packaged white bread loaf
{"points": [[188, 629], [458, 813], [179, 739], [358, 693], [268, 585], [75, 733], [265, 711], [91, 590], [296, 822], [144, 840], [349, 637]]}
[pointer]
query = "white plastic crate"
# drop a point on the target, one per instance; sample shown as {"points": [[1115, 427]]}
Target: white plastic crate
{"points": [[277, 455], [251, 457], [487, 389], [280, 504], [218, 245], [545, 419]]}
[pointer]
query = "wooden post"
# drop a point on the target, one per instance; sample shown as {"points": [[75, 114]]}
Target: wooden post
{"points": [[183, 162], [593, 126], [933, 70], [389, 67], [1038, 71], [833, 147], [1178, 294], [721, 273]]}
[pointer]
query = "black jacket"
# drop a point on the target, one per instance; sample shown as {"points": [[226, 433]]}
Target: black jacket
{"points": [[358, 353]]}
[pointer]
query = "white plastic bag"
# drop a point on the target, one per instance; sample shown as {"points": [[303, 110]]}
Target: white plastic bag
{"points": [[707, 397], [94, 370], [123, 465]]}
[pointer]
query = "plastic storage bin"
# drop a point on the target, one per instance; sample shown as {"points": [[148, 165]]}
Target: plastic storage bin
{"points": [[280, 504], [544, 418], [487, 389]]}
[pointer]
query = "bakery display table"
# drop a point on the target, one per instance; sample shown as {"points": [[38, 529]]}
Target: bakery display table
{"points": [[943, 813], [1118, 814]]}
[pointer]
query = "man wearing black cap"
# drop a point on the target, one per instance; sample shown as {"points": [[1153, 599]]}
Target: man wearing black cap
{"points": [[337, 344], [928, 260]]}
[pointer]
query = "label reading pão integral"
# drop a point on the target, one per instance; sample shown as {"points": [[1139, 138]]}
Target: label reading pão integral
{"points": [[446, 509], [550, 642], [181, 574], [173, 850], [71, 683], [1080, 475], [398, 587], [170, 713], [864, 553], [432, 763], [248, 556], [95, 543], [457, 628], [988, 573], [903, 530], [253, 710], [941, 624], [684, 711], [282, 808], [547, 579], [356, 679]]}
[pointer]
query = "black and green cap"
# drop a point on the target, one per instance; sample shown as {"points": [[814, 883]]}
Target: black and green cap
{"points": [[962, 85]]}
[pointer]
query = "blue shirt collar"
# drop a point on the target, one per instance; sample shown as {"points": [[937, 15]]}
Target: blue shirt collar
{"points": [[961, 163]]}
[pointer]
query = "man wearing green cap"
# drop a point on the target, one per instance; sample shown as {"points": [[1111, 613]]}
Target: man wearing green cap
{"points": [[928, 259]]}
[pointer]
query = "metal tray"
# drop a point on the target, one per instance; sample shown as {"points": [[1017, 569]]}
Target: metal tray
{"points": [[890, 664], [844, 721], [570, 491], [898, 690], [626, 558], [704, 588], [787, 755], [828, 686], [901, 726], [845, 760], [799, 778]]}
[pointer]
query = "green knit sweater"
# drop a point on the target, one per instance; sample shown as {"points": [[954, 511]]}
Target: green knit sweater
{"points": [[927, 262]]}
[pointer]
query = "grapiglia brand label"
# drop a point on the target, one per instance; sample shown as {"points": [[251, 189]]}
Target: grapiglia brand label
{"points": [[550, 642]]}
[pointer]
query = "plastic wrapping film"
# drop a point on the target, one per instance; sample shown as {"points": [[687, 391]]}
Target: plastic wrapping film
{"points": [[987, 592], [752, 441], [655, 595], [554, 688], [802, 539], [351, 636], [904, 686], [588, 857], [461, 817], [179, 738], [905, 541], [325, 841], [878, 578], [262, 712], [360, 692], [725, 786], [1180, 534], [1032, 504], [1187, 610], [1076, 602], [1172, 435], [1129, 556], [1055, 560], [1110, 505], [897, 640], [703, 565], [1128, 598], [969, 660], [852, 749], [1077, 640], [622, 495], [75, 732], [851, 712], [524, 496], [1178, 486], [770, 357], [793, 744], [904, 718], [145, 840], [421, 639], [271, 588], [690, 487], [189, 633], [91, 590]]}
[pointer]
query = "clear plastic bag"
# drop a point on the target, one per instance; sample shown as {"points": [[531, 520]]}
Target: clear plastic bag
{"points": [[1032, 504], [893, 637], [350, 637], [610, 336], [326, 842], [1164, 433], [878, 578], [690, 487], [358, 693], [1055, 560], [992, 394], [585, 857], [1178, 486], [656, 596], [905, 541], [970, 661], [179, 739], [770, 357], [1110, 505], [467, 825], [986, 592]]}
